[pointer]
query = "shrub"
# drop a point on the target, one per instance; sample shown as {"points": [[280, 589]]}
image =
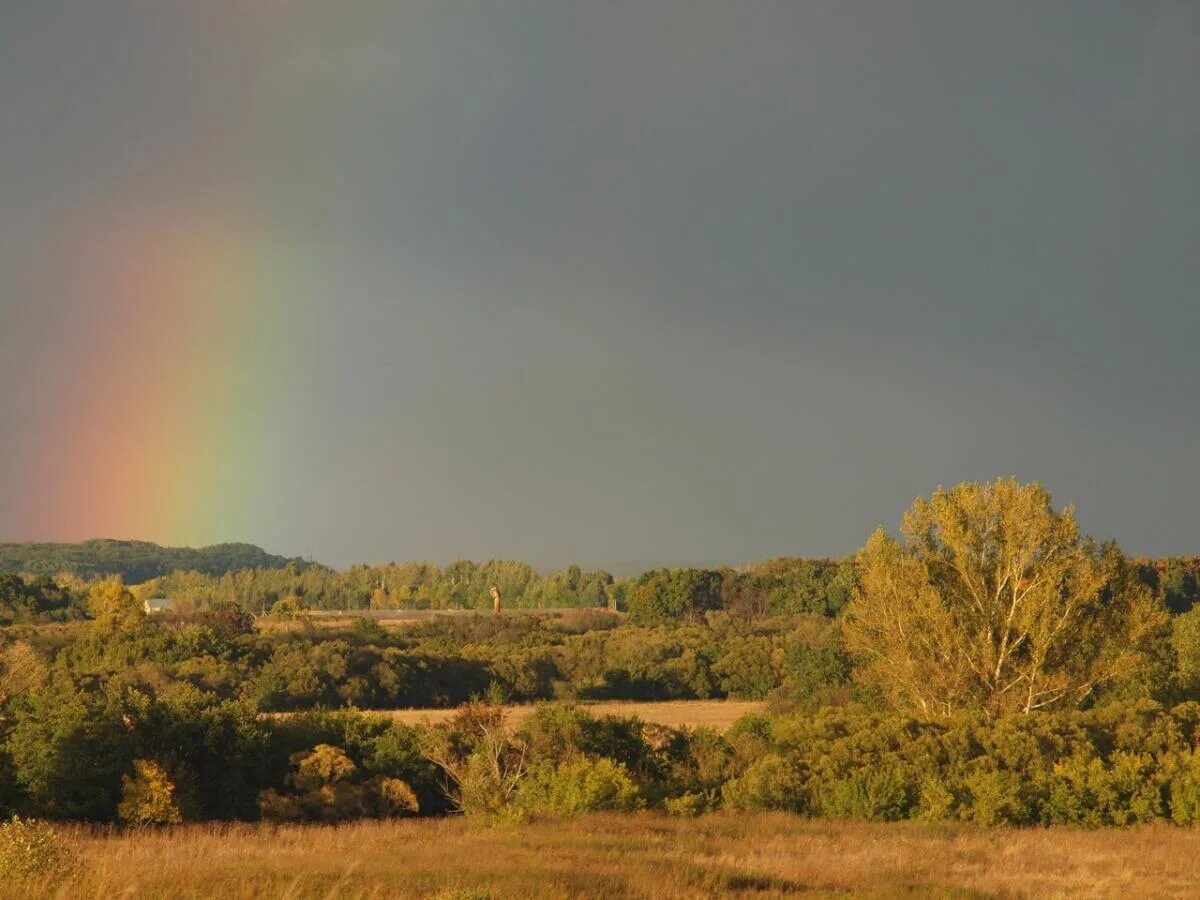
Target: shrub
{"points": [[327, 787], [29, 848], [996, 797], [578, 786], [148, 798], [689, 805], [396, 796], [937, 802], [1185, 792], [483, 762], [881, 795], [1084, 791], [768, 783]]}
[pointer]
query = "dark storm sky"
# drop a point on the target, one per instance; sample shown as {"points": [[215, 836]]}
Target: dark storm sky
{"points": [[646, 281]]}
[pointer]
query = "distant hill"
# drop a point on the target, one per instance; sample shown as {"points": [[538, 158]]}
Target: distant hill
{"points": [[135, 561]]}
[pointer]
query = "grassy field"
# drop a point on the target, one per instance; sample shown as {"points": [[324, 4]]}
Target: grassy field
{"points": [[403, 618], [719, 714], [642, 855]]}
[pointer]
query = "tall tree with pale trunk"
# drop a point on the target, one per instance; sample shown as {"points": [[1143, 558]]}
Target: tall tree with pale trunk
{"points": [[993, 600]]}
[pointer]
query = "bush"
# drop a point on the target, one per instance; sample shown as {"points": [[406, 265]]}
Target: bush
{"points": [[937, 801], [29, 849], [1185, 791], [689, 805], [327, 787], [881, 796], [578, 786], [996, 797], [148, 798], [1084, 791], [771, 782]]}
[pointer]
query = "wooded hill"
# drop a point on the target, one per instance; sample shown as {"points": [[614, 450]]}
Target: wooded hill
{"points": [[135, 561]]}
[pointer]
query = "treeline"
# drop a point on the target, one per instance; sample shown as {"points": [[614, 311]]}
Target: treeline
{"points": [[782, 586], [459, 585], [134, 561]]}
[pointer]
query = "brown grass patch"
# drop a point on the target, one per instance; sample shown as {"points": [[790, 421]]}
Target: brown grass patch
{"points": [[719, 714], [644, 855]]}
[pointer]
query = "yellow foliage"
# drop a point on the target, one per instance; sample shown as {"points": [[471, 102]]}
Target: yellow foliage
{"points": [[993, 600], [396, 796], [148, 798], [113, 607], [21, 669]]}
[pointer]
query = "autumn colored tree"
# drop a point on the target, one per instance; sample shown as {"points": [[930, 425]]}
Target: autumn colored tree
{"points": [[21, 669], [148, 796], [113, 607], [328, 787], [993, 600]]}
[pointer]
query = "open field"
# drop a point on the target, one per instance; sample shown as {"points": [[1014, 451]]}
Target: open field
{"points": [[643, 855], [719, 714], [402, 618]]}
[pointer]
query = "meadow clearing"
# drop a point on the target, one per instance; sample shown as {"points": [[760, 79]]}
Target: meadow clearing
{"points": [[718, 714], [644, 855]]}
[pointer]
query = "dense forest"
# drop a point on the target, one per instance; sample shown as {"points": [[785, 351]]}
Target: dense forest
{"points": [[989, 664], [134, 561]]}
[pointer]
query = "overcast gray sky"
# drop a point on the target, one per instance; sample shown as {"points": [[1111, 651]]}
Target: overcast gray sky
{"points": [[594, 281]]}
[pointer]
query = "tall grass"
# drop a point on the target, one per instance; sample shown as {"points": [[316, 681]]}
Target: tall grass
{"points": [[643, 855]]}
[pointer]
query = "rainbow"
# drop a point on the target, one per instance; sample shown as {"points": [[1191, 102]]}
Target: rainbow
{"points": [[170, 403]]}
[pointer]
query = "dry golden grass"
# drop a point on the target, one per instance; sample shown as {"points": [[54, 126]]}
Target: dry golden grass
{"points": [[719, 714], [644, 855], [397, 619]]}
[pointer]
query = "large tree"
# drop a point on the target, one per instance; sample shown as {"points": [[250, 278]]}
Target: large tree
{"points": [[992, 600]]}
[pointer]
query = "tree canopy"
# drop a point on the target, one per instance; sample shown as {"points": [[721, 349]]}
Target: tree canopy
{"points": [[994, 600]]}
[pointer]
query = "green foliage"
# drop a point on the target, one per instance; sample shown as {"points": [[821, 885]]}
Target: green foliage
{"points": [[882, 795], [1184, 790], [86, 708], [671, 595], [772, 782], [687, 805], [1085, 790], [576, 786], [70, 748], [1185, 641], [378, 749], [483, 762], [1174, 579], [994, 797], [37, 599], [134, 561], [21, 669]]}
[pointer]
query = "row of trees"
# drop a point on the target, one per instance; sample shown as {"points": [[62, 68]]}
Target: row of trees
{"points": [[775, 587]]}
